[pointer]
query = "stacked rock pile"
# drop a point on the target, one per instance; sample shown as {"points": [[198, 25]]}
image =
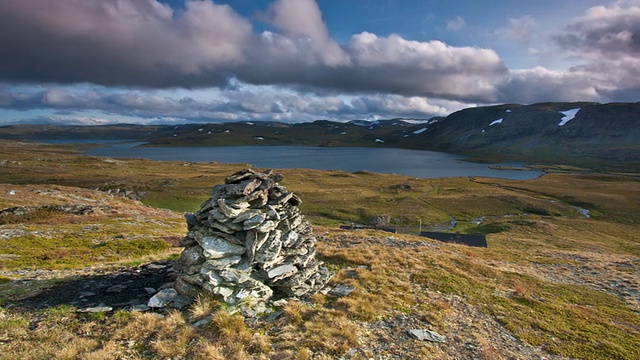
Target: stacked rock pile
{"points": [[249, 244]]}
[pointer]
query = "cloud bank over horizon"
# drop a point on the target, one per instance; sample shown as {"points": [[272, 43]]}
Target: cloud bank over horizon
{"points": [[205, 61]]}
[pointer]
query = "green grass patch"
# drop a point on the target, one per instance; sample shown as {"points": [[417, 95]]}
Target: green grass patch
{"points": [[568, 320], [69, 252]]}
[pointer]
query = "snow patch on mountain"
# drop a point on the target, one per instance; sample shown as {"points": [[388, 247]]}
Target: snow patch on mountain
{"points": [[420, 131], [499, 121], [415, 121], [568, 116], [379, 140]]}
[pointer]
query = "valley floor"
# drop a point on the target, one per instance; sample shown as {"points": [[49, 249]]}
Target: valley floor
{"points": [[552, 284]]}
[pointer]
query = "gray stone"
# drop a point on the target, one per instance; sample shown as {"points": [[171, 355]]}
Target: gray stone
{"points": [[232, 238], [272, 213], [139, 307], [223, 263], [190, 256], [256, 195], [237, 274], [150, 290], [259, 289], [254, 222], [185, 288], [96, 309], [266, 226], [232, 211], [216, 247], [247, 215], [273, 316], [426, 335], [181, 302], [239, 176], [281, 271], [162, 298], [217, 215], [211, 276], [289, 238], [270, 249], [202, 322], [224, 292], [194, 279], [220, 226], [233, 226], [341, 290], [281, 199]]}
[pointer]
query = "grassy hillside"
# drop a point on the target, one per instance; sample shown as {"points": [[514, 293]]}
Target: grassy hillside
{"points": [[552, 283]]}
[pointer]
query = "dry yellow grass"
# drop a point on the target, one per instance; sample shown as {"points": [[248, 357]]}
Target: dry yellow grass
{"points": [[542, 288]]}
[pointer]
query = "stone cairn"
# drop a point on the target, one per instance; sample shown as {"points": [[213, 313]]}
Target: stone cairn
{"points": [[249, 244]]}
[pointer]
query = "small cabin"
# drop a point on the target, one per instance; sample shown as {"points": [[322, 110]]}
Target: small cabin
{"points": [[477, 240]]}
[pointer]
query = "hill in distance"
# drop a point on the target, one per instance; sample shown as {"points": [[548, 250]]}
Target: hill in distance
{"points": [[589, 135]]}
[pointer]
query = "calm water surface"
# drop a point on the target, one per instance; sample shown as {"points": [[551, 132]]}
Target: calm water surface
{"points": [[417, 163]]}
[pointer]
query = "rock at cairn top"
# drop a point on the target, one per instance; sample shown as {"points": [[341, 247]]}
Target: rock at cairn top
{"points": [[249, 244]]}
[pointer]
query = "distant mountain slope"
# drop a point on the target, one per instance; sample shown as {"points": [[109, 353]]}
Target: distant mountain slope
{"points": [[603, 136], [573, 133]]}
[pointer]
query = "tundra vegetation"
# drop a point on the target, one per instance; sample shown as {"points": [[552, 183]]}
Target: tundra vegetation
{"points": [[552, 282]]}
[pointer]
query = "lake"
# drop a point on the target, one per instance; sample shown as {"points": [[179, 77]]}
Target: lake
{"points": [[416, 163]]}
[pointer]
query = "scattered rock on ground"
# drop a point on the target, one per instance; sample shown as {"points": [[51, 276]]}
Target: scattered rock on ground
{"points": [[426, 335]]}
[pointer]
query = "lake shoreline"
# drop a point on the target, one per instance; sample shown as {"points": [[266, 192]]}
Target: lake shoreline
{"points": [[416, 163]]}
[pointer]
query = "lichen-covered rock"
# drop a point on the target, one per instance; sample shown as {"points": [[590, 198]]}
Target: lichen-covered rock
{"points": [[249, 243]]}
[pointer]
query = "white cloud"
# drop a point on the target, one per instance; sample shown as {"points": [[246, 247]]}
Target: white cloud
{"points": [[606, 39], [296, 69], [541, 84], [146, 43], [302, 18], [430, 68], [245, 103]]}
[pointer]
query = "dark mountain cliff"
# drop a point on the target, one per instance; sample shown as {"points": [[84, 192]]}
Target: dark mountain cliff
{"points": [[572, 133]]}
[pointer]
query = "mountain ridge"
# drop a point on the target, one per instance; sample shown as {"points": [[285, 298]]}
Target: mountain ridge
{"points": [[586, 134]]}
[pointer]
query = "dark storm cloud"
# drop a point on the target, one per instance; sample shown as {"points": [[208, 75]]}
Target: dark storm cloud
{"points": [[609, 31], [118, 42], [145, 43], [607, 39], [71, 106]]}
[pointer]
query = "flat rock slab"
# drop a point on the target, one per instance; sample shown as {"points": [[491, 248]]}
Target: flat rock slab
{"points": [[341, 290], [96, 309], [162, 298], [426, 335]]}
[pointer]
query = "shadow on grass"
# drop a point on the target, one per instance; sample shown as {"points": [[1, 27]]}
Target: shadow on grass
{"points": [[119, 288]]}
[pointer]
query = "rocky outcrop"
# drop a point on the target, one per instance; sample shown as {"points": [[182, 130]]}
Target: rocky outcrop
{"points": [[249, 243]]}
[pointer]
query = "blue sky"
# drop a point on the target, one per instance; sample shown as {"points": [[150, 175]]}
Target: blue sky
{"points": [[171, 61]]}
